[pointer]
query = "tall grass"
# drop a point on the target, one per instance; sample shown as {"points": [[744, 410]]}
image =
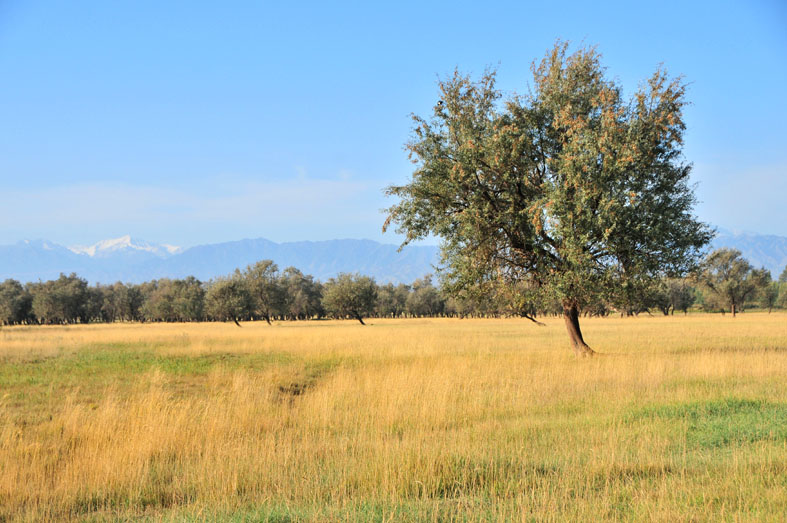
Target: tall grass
{"points": [[681, 418]]}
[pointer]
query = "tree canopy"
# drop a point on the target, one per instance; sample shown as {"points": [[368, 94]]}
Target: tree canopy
{"points": [[230, 299], [571, 191], [265, 288], [731, 280], [350, 295]]}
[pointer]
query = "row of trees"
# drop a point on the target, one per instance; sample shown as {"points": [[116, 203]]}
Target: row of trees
{"points": [[260, 291], [725, 282]]}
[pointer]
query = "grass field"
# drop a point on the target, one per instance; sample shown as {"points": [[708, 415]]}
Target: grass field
{"points": [[681, 418]]}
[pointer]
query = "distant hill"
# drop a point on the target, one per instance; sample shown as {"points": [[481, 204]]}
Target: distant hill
{"points": [[131, 260]]}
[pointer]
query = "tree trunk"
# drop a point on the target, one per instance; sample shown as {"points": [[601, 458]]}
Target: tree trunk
{"points": [[236, 321], [733, 309], [359, 318], [571, 317]]}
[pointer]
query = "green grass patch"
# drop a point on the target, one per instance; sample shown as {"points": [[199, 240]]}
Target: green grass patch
{"points": [[721, 422], [117, 360]]}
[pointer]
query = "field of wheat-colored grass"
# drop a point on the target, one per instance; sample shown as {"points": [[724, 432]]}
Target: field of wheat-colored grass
{"points": [[680, 418]]}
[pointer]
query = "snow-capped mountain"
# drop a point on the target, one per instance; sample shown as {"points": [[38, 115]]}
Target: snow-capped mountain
{"points": [[124, 245]]}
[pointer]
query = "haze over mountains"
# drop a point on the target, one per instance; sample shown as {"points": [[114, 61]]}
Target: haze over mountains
{"points": [[131, 260]]}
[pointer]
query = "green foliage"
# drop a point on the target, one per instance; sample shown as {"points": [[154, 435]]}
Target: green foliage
{"points": [[769, 295], [302, 295], [174, 300], [15, 303], [730, 280], [425, 299], [634, 296], [670, 295], [781, 301], [660, 297], [392, 300], [266, 290], [497, 298], [350, 295], [574, 190], [189, 299], [229, 299], [122, 302], [60, 301], [681, 294]]}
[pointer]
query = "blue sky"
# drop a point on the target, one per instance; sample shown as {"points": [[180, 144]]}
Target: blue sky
{"points": [[198, 122]]}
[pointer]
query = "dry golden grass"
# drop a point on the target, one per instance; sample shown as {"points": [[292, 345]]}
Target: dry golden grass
{"points": [[682, 418]]}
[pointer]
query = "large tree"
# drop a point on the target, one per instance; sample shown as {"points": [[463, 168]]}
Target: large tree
{"points": [[571, 188]]}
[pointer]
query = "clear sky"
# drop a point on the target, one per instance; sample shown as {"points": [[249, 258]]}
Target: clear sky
{"points": [[198, 122]]}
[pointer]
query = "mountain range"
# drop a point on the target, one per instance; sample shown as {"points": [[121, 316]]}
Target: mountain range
{"points": [[131, 260]]}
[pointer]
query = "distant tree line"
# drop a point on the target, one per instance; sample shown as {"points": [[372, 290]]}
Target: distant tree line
{"points": [[726, 282]]}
